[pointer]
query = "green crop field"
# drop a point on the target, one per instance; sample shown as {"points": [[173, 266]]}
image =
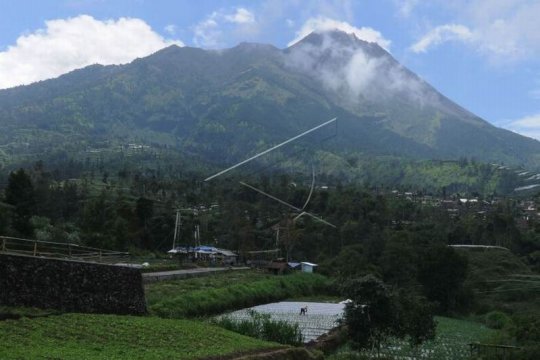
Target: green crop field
{"points": [[77, 336], [41, 334], [450, 343]]}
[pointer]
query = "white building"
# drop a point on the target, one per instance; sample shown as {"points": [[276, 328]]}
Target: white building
{"points": [[308, 267]]}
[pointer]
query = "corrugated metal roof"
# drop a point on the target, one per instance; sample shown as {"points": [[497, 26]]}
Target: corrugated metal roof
{"points": [[225, 252]]}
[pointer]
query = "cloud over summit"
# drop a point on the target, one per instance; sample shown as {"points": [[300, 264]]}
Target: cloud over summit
{"points": [[353, 69], [322, 24]]}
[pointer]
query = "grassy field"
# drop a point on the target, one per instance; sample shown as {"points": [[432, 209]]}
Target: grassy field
{"points": [[450, 343], [230, 291], [15, 312], [158, 291], [39, 334], [77, 336], [501, 281]]}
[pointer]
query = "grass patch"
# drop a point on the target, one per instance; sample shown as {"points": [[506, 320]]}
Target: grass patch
{"points": [[78, 336], [15, 312], [216, 294], [262, 326], [161, 290], [501, 281]]}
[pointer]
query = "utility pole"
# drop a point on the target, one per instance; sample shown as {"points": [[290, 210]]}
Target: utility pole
{"points": [[197, 235], [177, 224]]}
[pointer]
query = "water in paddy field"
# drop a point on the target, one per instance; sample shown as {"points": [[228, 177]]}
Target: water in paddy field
{"points": [[319, 319]]}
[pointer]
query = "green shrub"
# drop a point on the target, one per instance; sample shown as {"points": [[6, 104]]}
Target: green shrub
{"points": [[529, 352], [497, 320], [261, 326], [354, 356]]}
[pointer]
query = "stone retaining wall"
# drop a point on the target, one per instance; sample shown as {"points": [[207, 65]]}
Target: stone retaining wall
{"points": [[68, 285]]}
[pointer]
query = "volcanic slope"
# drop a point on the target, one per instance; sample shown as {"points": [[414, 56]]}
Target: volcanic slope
{"points": [[223, 104]]}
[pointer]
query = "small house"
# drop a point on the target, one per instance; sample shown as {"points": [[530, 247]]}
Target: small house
{"points": [[308, 267], [226, 257], [293, 265], [277, 266]]}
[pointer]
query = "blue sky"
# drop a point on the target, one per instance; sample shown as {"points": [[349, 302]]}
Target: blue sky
{"points": [[483, 54]]}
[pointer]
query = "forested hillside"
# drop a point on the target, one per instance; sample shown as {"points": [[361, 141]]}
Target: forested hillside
{"points": [[219, 106], [134, 208]]}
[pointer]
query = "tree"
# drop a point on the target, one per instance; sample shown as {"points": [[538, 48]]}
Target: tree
{"points": [[290, 235], [416, 318], [20, 193], [376, 313], [399, 259], [97, 222], [442, 273], [144, 210], [349, 263], [370, 316]]}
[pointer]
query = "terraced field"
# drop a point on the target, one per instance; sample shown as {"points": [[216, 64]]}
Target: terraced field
{"points": [[78, 336], [451, 343]]}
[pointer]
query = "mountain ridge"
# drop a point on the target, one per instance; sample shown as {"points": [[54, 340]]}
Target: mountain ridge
{"points": [[220, 104]]}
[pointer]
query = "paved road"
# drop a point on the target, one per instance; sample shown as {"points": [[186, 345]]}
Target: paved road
{"points": [[182, 274]]}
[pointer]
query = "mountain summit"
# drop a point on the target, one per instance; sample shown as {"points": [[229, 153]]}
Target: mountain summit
{"points": [[220, 104]]}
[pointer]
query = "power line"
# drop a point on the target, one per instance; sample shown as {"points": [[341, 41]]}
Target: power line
{"points": [[269, 150]]}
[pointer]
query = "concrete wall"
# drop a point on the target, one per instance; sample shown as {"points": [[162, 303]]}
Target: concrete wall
{"points": [[70, 285]]}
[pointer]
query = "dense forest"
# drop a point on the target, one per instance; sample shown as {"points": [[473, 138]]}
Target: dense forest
{"points": [[398, 234], [134, 209]]}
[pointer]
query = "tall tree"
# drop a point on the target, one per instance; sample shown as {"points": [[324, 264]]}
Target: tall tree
{"points": [[20, 193], [442, 273], [376, 313], [370, 316]]}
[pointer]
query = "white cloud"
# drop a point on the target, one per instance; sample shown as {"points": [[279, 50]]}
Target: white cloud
{"points": [[503, 31], [207, 34], [220, 27], [319, 24], [405, 7], [442, 34], [69, 44], [170, 29], [241, 16], [360, 72], [352, 71], [528, 126]]}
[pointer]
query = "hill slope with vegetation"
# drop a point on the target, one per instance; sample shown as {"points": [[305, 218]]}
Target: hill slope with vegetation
{"points": [[220, 105], [78, 336]]}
